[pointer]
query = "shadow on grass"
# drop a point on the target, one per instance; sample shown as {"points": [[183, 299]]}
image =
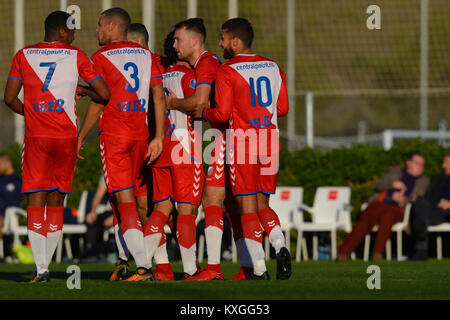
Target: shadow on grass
{"points": [[61, 275]]}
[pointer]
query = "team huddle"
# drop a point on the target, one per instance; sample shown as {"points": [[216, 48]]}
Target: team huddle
{"points": [[149, 110]]}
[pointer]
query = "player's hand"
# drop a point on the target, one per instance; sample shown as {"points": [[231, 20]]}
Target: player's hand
{"points": [[196, 113], [444, 204], [80, 147], [155, 148], [169, 98], [80, 93]]}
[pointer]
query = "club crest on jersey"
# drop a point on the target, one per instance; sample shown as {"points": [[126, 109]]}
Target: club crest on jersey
{"points": [[192, 83]]}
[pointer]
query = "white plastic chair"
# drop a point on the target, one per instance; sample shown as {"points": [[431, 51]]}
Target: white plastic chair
{"points": [[286, 203], [330, 212], [12, 223], [443, 227], [6, 230], [398, 228]]}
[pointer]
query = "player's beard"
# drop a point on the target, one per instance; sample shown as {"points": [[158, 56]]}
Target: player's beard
{"points": [[228, 53]]}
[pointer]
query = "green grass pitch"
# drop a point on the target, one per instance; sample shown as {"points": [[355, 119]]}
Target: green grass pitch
{"points": [[310, 280]]}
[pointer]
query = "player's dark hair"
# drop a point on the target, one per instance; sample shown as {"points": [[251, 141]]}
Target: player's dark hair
{"points": [[169, 50], [240, 28], [55, 21], [412, 154], [5, 157], [120, 17], [139, 29], [193, 24]]}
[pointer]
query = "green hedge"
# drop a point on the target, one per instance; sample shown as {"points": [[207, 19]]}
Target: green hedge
{"points": [[358, 167]]}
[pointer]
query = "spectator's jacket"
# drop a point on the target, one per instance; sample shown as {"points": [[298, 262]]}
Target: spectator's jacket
{"points": [[10, 195], [395, 173], [433, 194]]}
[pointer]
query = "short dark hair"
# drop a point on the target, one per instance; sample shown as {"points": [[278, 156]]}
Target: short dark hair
{"points": [[240, 28], [169, 50], [193, 24], [120, 17], [412, 154], [139, 29], [55, 21], [5, 157]]}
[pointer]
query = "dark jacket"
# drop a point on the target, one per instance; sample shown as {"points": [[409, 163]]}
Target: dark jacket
{"points": [[433, 194], [10, 192]]}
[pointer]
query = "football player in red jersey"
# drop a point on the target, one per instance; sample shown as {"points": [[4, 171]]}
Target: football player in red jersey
{"points": [[189, 44], [49, 72], [178, 174], [130, 70], [250, 95]]}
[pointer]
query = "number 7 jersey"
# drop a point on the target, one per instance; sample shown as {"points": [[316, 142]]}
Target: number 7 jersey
{"points": [[129, 71], [49, 73]]}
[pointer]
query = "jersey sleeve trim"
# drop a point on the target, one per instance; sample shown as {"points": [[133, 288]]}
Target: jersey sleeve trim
{"points": [[204, 82], [94, 79], [15, 78]]}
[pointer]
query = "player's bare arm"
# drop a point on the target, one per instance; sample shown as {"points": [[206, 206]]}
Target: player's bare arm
{"points": [[92, 115], [12, 90], [98, 91], [200, 98], [156, 145]]}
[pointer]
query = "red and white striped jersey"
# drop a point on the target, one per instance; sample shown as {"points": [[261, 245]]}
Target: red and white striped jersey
{"points": [[250, 93], [49, 73], [130, 71], [181, 80]]}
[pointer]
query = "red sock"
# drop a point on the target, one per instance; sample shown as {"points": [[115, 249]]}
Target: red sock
{"points": [[269, 219], [54, 219], [129, 217], [186, 230], [214, 217], [35, 220], [251, 227], [155, 224]]}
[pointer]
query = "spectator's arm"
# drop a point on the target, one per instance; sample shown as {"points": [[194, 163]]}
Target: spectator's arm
{"points": [[99, 194], [420, 188], [385, 182]]}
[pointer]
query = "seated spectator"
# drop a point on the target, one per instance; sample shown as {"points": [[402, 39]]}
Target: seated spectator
{"points": [[395, 189], [10, 188], [431, 209], [97, 223]]}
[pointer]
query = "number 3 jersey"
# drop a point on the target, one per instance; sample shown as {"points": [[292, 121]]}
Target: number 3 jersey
{"points": [[49, 73], [129, 71], [250, 93]]}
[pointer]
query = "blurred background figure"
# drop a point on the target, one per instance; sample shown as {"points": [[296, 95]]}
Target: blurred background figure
{"points": [[10, 189], [98, 220], [431, 209], [396, 188]]}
